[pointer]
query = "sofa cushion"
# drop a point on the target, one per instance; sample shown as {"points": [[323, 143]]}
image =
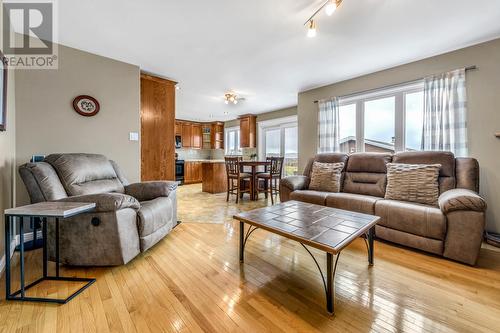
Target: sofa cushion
{"points": [[417, 219], [447, 179], [353, 202], [314, 197], [326, 176], [366, 174], [85, 173], [413, 182]]}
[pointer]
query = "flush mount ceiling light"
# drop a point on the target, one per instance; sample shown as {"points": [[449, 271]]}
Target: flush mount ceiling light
{"points": [[232, 98], [330, 7]]}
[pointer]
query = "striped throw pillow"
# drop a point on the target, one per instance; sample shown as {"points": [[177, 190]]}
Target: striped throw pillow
{"points": [[326, 176], [413, 182]]}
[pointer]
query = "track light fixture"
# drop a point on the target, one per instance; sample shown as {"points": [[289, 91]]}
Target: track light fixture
{"points": [[330, 7]]}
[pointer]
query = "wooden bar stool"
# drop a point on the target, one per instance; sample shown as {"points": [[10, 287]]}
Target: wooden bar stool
{"points": [[235, 178], [271, 177]]}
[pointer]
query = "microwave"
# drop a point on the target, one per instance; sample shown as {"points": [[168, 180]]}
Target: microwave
{"points": [[178, 141]]}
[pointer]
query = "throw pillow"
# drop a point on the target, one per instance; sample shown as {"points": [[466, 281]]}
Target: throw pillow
{"points": [[326, 176], [413, 182]]}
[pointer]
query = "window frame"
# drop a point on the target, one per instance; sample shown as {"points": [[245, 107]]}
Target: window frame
{"points": [[227, 131], [399, 93]]}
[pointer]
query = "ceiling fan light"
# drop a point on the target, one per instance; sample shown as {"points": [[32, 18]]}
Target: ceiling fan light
{"points": [[226, 101], [235, 101], [331, 7], [311, 31]]}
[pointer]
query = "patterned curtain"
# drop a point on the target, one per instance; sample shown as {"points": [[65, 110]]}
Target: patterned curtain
{"points": [[328, 126], [445, 113]]}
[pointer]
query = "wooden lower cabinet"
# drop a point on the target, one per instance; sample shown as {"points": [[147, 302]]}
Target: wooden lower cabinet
{"points": [[214, 177], [192, 172]]}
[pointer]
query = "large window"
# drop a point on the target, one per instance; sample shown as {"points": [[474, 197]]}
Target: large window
{"points": [[279, 137], [386, 120], [232, 141]]}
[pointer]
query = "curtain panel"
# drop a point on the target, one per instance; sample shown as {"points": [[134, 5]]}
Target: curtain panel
{"points": [[328, 126], [445, 113]]}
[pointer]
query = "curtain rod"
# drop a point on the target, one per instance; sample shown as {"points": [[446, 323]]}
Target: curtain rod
{"points": [[469, 68]]}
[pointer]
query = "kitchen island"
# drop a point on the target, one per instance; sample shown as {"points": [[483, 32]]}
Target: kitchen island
{"points": [[214, 179]]}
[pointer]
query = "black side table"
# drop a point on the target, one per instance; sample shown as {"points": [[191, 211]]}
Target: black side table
{"points": [[46, 211]]}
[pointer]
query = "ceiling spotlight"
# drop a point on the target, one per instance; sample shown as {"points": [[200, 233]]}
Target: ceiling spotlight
{"points": [[311, 31], [226, 113], [331, 7]]}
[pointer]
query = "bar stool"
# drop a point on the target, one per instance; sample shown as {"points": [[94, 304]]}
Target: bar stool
{"points": [[271, 177], [234, 174]]}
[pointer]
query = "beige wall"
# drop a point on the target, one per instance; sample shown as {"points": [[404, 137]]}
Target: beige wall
{"points": [[7, 156], [46, 122], [292, 111], [483, 90]]}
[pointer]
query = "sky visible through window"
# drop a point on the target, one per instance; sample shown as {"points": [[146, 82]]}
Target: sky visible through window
{"points": [[380, 120], [414, 120]]}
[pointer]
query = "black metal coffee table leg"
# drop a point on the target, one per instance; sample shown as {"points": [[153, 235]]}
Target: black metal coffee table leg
{"points": [[371, 235], [242, 241]]}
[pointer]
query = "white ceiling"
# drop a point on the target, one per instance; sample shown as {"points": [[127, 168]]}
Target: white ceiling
{"points": [[259, 48]]}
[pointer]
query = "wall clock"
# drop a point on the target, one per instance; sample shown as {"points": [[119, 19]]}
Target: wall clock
{"points": [[86, 106]]}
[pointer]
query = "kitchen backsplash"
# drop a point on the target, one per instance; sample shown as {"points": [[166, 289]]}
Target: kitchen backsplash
{"points": [[210, 154], [200, 154]]}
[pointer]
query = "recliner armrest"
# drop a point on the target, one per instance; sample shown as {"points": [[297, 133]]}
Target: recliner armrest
{"points": [[106, 202], [294, 183], [150, 190], [461, 199]]}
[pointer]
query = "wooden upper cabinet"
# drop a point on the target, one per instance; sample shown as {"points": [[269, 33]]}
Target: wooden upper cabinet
{"points": [[178, 128], [248, 131], [196, 136], [157, 128], [186, 135], [217, 135]]}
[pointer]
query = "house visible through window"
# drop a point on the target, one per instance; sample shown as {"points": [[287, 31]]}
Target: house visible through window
{"points": [[232, 141], [386, 120]]}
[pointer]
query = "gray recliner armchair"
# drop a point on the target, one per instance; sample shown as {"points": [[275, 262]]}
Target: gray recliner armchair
{"points": [[128, 219]]}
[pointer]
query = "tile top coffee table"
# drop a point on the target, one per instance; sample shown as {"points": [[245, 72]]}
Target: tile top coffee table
{"points": [[324, 228]]}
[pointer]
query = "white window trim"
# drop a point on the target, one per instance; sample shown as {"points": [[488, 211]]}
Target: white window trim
{"points": [[399, 92], [262, 126], [226, 138]]}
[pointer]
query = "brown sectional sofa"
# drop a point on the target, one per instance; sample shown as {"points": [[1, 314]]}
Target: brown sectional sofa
{"points": [[454, 228]]}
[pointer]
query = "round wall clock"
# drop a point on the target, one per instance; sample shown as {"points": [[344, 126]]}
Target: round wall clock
{"points": [[86, 105]]}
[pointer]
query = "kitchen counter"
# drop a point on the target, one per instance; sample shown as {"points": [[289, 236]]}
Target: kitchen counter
{"points": [[205, 161]]}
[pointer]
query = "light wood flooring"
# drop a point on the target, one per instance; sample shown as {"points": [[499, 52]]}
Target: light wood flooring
{"points": [[192, 282]]}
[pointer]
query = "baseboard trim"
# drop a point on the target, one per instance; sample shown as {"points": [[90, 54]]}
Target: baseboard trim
{"points": [[13, 245]]}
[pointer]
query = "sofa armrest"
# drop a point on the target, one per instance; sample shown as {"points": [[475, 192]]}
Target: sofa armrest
{"points": [[106, 202], [295, 183], [290, 184], [150, 190], [461, 200]]}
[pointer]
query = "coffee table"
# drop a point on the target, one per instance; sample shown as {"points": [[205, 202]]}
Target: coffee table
{"points": [[324, 228]]}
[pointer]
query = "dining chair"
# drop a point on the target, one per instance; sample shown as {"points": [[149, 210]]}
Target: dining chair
{"points": [[271, 177], [235, 178]]}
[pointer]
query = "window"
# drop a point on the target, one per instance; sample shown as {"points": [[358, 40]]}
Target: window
{"points": [[279, 137], [232, 141], [380, 127], [386, 120]]}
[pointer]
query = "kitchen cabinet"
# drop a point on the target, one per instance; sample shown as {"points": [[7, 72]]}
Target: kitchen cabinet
{"points": [[187, 130], [192, 172], [217, 135], [178, 128], [248, 131], [200, 135], [196, 136]]}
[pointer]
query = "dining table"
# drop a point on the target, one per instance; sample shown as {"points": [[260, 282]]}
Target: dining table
{"points": [[253, 165]]}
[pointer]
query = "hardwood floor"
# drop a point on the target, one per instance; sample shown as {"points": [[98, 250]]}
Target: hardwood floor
{"points": [[192, 282]]}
